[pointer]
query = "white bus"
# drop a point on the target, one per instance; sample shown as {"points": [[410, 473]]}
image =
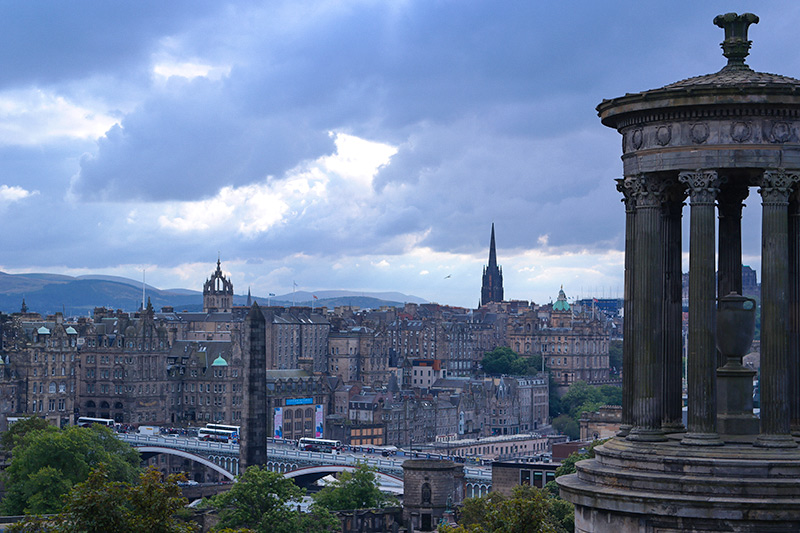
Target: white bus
{"points": [[86, 421], [218, 435], [235, 429], [319, 445]]}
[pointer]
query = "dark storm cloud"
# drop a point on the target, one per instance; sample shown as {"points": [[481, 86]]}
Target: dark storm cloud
{"points": [[52, 41]]}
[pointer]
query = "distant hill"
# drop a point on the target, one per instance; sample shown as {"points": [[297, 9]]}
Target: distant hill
{"points": [[76, 296]]}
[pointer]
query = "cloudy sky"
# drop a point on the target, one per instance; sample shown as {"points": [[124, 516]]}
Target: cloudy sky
{"points": [[365, 145]]}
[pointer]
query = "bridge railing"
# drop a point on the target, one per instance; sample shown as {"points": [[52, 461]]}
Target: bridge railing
{"points": [[188, 444], [392, 465]]}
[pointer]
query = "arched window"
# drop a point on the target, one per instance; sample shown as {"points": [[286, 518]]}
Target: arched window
{"points": [[62, 387], [103, 405], [52, 388], [90, 404]]}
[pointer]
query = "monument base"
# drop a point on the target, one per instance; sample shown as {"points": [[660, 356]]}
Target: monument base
{"points": [[669, 487]]}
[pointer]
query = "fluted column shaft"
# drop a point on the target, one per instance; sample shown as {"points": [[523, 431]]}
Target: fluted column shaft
{"points": [[794, 312], [626, 187], [672, 311], [729, 279], [775, 189], [647, 299], [703, 187]]}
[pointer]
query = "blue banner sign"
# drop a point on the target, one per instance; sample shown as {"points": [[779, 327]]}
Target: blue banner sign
{"points": [[299, 401]]}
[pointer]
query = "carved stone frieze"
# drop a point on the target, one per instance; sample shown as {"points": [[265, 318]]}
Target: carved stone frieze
{"points": [[699, 132], [741, 131], [713, 132], [663, 135], [779, 131]]}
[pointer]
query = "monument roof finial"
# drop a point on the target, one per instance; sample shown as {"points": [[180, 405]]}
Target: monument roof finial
{"points": [[736, 47]]}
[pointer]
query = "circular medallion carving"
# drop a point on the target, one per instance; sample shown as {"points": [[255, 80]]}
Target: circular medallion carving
{"points": [[637, 138], [781, 132], [699, 133], [740, 131], [663, 135]]}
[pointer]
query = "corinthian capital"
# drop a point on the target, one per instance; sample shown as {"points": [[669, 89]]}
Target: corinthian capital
{"points": [[776, 185], [646, 189], [703, 185], [625, 186]]}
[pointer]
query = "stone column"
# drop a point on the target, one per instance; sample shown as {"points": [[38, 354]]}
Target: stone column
{"points": [[775, 427], [794, 311], [703, 187], [626, 187], [253, 447], [672, 313], [729, 280], [648, 285]]}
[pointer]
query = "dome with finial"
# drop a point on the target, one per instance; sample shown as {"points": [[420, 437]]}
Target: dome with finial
{"points": [[735, 83], [219, 361], [561, 302]]}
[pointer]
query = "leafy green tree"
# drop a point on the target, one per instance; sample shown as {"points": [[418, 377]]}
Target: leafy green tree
{"points": [[47, 463], [504, 360], [17, 431], [566, 424], [99, 505], [527, 510], [265, 502], [354, 490]]}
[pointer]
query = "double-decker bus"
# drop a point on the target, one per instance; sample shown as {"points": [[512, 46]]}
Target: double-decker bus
{"points": [[86, 421], [319, 445], [218, 435]]}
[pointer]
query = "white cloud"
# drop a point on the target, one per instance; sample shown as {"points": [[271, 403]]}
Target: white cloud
{"points": [[14, 194], [255, 209], [189, 70], [35, 116]]}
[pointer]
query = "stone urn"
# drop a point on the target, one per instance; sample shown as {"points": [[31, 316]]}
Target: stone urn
{"points": [[736, 325]]}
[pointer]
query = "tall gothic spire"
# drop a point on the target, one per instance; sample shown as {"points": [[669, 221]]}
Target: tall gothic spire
{"points": [[492, 251], [492, 288]]}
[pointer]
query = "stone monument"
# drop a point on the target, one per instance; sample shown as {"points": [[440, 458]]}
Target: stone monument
{"points": [[431, 487], [253, 449], [709, 138]]}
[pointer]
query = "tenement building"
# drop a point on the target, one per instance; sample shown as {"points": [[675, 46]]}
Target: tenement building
{"points": [[710, 139]]}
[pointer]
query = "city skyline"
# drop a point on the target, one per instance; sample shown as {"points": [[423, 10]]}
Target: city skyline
{"points": [[361, 145]]}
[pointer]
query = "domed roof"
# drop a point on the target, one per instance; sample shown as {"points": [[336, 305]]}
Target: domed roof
{"points": [[219, 361], [735, 83], [561, 302]]}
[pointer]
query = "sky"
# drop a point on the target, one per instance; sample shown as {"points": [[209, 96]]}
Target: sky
{"points": [[362, 145]]}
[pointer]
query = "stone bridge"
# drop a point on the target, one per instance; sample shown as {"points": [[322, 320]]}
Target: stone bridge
{"points": [[294, 463]]}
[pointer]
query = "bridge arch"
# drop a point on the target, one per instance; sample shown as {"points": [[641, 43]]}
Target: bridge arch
{"points": [[323, 470], [186, 455]]}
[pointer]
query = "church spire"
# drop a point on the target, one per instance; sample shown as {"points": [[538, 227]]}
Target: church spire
{"points": [[492, 251], [492, 288]]}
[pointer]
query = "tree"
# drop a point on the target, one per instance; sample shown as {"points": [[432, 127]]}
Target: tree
{"points": [[504, 360], [566, 424], [354, 490], [99, 505], [265, 502], [527, 510], [18, 430], [47, 463]]}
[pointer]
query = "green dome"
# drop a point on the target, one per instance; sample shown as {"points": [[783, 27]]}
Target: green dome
{"points": [[561, 303], [219, 361]]}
